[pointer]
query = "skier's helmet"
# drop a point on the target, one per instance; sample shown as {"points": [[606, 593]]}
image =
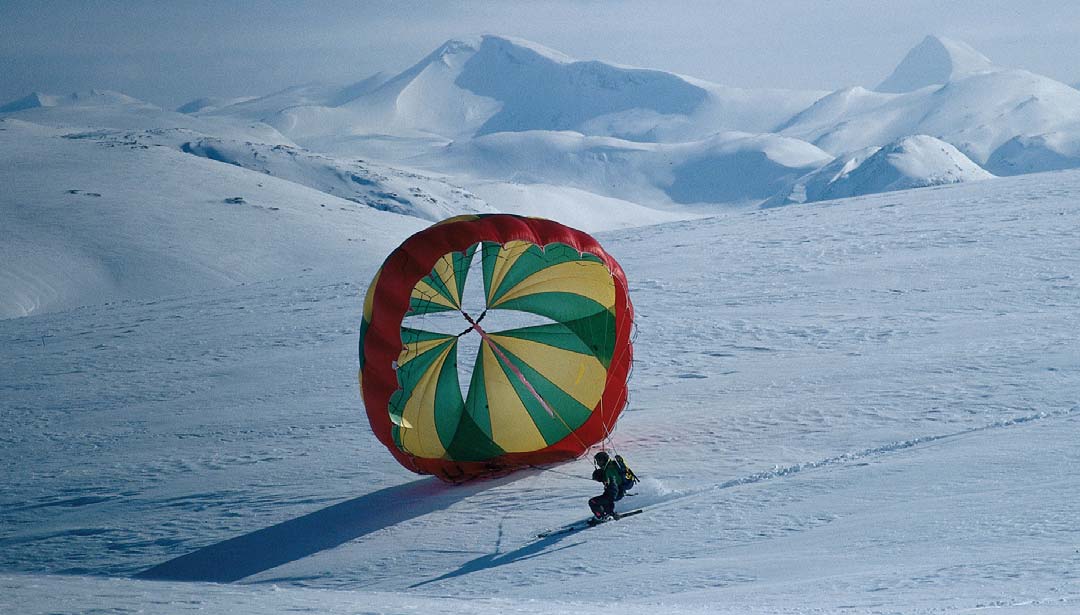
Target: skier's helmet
{"points": [[601, 459]]}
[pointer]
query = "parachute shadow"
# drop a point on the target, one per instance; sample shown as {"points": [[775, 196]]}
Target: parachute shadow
{"points": [[243, 556]]}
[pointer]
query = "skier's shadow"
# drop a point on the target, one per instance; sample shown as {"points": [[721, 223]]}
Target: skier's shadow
{"points": [[541, 546], [324, 529]]}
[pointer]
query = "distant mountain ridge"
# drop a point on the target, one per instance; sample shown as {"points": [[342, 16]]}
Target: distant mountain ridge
{"points": [[492, 108], [947, 90], [475, 86], [479, 125], [37, 100]]}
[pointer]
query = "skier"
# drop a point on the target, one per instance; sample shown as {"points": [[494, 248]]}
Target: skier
{"points": [[617, 478]]}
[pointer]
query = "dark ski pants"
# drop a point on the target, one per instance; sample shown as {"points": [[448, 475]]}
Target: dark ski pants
{"points": [[602, 505]]}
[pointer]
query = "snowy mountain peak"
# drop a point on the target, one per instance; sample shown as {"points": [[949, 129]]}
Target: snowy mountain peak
{"points": [[33, 100], [101, 97], [517, 48], [487, 84], [935, 60], [86, 98]]}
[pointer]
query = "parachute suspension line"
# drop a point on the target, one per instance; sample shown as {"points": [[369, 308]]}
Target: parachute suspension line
{"points": [[513, 368], [543, 469], [506, 361], [520, 376]]}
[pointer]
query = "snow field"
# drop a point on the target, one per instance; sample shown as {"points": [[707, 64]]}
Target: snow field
{"points": [[866, 405], [858, 406]]}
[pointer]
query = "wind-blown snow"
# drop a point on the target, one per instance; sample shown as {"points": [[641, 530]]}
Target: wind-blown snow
{"points": [[911, 162]]}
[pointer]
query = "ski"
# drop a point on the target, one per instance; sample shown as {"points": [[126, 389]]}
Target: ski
{"points": [[584, 525]]}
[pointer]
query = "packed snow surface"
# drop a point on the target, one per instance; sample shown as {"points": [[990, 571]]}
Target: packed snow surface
{"points": [[867, 406]]}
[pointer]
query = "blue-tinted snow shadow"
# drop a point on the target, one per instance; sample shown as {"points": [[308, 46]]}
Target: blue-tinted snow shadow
{"points": [[541, 546], [261, 550]]}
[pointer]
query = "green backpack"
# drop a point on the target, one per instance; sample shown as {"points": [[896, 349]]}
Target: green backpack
{"points": [[629, 479]]}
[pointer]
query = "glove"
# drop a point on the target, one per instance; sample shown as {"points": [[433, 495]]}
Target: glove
{"points": [[598, 475]]}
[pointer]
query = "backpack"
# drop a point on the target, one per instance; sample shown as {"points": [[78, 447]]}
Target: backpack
{"points": [[629, 479]]}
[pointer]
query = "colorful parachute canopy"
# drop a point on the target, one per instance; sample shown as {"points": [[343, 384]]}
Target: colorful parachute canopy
{"points": [[537, 316]]}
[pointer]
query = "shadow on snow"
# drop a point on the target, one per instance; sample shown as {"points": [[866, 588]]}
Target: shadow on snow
{"points": [[541, 546], [295, 539]]}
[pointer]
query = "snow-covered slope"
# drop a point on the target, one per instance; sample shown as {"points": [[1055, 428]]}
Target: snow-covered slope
{"points": [[366, 183], [89, 98], [977, 110], [935, 61], [1036, 153], [102, 201], [864, 406], [728, 167], [308, 94], [33, 100], [910, 162], [571, 206], [98, 216], [206, 105], [100, 111]]}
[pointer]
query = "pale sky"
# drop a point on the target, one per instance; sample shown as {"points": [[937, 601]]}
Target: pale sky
{"points": [[170, 53]]}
